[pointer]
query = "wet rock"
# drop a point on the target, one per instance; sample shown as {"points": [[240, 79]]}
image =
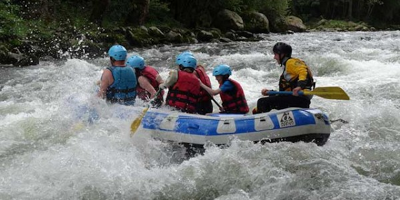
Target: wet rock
{"points": [[155, 32], [137, 37], [256, 22], [231, 35], [246, 34], [295, 24], [227, 20], [27, 60], [204, 36], [16, 58], [4, 57], [174, 36], [224, 39]]}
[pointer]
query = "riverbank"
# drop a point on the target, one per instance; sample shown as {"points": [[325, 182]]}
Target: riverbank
{"points": [[90, 41]]}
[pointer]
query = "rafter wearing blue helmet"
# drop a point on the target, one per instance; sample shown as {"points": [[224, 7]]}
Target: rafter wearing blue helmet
{"points": [[230, 91], [135, 62], [181, 56], [118, 82], [205, 105], [117, 52], [184, 86], [188, 62], [148, 79]]}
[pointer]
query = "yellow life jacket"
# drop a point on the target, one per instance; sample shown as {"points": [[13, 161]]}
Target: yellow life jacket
{"points": [[296, 73]]}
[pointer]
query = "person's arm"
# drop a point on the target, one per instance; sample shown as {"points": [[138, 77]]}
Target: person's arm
{"points": [[171, 80], [209, 90], [159, 79], [296, 91], [145, 84], [106, 80], [301, 69], [264, 92]]}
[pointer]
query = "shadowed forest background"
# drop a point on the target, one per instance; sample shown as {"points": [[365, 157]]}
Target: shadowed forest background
{"points": [[64, 24]]}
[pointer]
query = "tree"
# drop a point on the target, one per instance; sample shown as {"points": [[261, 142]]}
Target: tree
{"points": [[99, 7], [138, 14]]}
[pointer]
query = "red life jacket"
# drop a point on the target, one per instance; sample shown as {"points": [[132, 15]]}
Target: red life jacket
{"points": [[234, 102], [184, 94], [151, 74], [201, 72]]}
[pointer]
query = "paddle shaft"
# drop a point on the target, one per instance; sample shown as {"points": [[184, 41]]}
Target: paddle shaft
{"points": [[324, 92], [283, 92], [136, 123], [212, 98]]}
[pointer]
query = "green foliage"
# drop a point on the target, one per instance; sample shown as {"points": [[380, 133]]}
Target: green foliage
{"points": [[378, 11], [12, 26], [275, 11], [272, 8], [73, 11], [241, 6], [338, 24], [234, 5], [387, 11], [159, 14], [304, 9], [117, 13]]}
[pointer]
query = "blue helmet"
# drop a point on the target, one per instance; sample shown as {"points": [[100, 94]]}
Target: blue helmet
{"points": [[188, 61], [222, 70], [135, 62], [181, 56], [117, 52]]}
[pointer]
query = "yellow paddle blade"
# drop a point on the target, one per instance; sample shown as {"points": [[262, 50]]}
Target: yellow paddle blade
{"points": [[78, 126], [136, 123], [329, 93]]}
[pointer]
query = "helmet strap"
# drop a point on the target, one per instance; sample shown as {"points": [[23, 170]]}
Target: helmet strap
{"points": [[225, 77]]}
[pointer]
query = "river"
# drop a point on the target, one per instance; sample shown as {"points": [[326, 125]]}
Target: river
{"points": [[52, 148]]}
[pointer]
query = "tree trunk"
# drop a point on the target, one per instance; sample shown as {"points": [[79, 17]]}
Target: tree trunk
{"points": [[99, 8], [360, 5], [350, 10], [137, 16]]}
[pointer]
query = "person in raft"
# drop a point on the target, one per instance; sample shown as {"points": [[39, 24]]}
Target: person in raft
{"points": [[296, 76], [148, 81], [230, 91], [183, 86], [204, 104], [118, 82]]}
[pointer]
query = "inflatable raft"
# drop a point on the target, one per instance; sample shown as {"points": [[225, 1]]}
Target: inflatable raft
{"points": [[292, 124]]}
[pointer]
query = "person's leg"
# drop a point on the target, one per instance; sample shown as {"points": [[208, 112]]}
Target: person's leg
{"points": [[208, 106], [266, 104], [204, 107], [297, 101]]}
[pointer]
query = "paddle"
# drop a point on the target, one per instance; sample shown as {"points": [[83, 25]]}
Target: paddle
{"points": [[324, 92], [212, 98], [136, 123]]}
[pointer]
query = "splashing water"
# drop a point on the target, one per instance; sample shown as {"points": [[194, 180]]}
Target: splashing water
{"points": [[59, 141]]}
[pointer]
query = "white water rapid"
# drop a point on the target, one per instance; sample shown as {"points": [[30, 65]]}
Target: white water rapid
{"points": [[50, 149]]}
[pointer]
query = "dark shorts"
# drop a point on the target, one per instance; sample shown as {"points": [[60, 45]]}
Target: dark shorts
{"points": [[204, 107], [266, 104]]}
